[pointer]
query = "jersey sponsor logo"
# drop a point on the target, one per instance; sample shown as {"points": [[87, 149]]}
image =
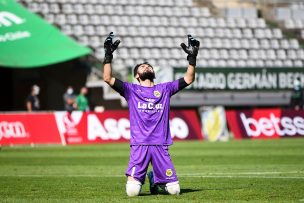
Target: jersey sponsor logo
{"points": [[157, 93], [149, 106], [169, 172], [12, 130]]}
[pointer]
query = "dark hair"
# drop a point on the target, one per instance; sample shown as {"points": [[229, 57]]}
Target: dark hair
{"points": [[137, 66]]}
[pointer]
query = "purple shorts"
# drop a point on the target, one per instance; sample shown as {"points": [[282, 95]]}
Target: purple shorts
{"points": [[142, 155]]}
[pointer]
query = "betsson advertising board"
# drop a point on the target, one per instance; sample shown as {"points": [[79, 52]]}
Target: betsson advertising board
{"points": [[266, 123]]}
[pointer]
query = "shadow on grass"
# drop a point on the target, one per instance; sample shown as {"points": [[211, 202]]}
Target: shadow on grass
{"points": [[183, 191], [188, 190]]}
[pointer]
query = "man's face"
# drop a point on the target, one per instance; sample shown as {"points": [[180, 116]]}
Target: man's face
{"points": [[144, 72], [84, 91]]}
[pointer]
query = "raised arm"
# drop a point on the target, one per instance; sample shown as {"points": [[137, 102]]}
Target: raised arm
{"points": [[29, 106], [107, 74], [109, 47], [192, 51]]}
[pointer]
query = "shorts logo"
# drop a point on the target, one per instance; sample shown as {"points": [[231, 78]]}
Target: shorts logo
{"points": [[169, 172], [157, 93]]}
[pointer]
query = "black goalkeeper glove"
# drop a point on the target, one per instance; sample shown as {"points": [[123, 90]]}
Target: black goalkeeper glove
{"points": [[191, 49], [110, 47]]}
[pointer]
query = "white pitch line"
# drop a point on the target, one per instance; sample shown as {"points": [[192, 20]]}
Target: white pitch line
{"points": [[62, 175], [181, 175], [249, 173], [227, 176]]}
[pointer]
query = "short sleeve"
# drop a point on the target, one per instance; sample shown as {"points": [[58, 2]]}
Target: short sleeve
{"points": [[29, 99], [126, 90], [172, 87], [123, 88], [118, 86], [182, 83]]}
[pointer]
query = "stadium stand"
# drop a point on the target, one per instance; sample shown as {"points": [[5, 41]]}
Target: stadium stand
{"points": [[152, 30], [291, 17]]}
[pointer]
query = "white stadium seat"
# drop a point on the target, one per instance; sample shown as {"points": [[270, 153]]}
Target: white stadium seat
{"points": [[89, 30], [123, 53], [265, 43], [50, 18], [241, 22], [222, 63], [261, 23], [60, 19], [281, 54], [274, 44], [284, 44], [245, 43], [268, 33], [288, 63], [78, 9], [224, 54], [84, 40], [54, 8], [260, 63], [277, 33], [243, 54], [294, 44], [278, 63], [262, 54], [300, 54], [226, 43], [214, 54], [235, 43], [213, 63], [251, 63], [217, 43], [254, 44], [291, 54], [269, 63], [67, 29], [231, 63], [205, 53], [233, 54], [203, 63], [298, 63], [247, 33], [84, 19]]}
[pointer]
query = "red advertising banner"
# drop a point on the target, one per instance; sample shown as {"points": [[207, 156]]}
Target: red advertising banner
{"points": [[85, 128], [114, 126], [26, 128], [265, 123]]}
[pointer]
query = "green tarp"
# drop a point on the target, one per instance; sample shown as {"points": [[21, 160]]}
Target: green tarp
{"points": [[27, 41]]}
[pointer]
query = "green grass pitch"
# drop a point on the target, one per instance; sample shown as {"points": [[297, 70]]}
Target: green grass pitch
{"points": [[235, 171]]}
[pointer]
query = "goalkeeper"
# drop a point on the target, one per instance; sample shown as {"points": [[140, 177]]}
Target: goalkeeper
{"points": [[149, 107]]}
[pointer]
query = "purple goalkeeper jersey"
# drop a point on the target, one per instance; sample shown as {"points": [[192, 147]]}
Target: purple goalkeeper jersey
{"points": [[149, 109]]}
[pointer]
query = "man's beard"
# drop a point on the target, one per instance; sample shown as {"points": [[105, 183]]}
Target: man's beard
{"points": [[147, 75]]}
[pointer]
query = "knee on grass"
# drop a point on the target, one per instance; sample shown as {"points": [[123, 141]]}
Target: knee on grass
{"points": [[133, 188], [171, 188]]}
